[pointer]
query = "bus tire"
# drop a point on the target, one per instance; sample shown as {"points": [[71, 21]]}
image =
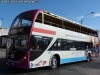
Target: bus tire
{"points": [[53, 62], [88, 57]]}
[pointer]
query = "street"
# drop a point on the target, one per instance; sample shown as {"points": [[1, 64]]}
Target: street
{"points": [[80, 68]]}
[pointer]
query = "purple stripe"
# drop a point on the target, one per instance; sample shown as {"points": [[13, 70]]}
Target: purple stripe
{"points": [[33, 21]]}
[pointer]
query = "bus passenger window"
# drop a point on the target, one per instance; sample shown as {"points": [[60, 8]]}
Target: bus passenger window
{"points": [[63, 44], [40, 42], [56, 45], [36, 42]]}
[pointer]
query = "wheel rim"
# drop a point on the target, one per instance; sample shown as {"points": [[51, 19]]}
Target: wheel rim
{"points": [[88, 58], [54, 62]]}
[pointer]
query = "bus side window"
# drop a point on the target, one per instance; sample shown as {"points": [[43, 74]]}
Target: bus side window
{"points": [[63, 44], [45, 42], [56, 45], [32, 42], [40, 42], [79, 45], [83, 45]]}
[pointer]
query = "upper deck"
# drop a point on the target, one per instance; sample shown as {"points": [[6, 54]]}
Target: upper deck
{"points": [[58, 21]]}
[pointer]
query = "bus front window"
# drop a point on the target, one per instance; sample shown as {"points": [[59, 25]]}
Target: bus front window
{"points": [[9, 42], [20, 29], [21, 42], [22, 20], [18, 42]]}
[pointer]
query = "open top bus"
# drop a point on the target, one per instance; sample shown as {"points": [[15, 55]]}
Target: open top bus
{"points": [[38, 38]]}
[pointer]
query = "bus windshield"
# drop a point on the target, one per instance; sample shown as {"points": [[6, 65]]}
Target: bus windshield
{"points": [[19, 32], [22, 20], [18, 42]]}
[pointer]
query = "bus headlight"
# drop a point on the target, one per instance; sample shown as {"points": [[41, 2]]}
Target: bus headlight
{"points": [[24, 57]]}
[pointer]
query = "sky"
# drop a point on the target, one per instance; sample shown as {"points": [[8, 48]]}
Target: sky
{"points": [[73, 10]]}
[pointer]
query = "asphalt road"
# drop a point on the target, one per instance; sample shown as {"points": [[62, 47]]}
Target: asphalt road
{"points": [[80, 68]]}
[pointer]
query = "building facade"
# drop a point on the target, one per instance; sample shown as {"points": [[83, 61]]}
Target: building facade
{"points": [[3, 32]]}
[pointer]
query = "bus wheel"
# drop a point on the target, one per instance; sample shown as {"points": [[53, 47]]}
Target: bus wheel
{"points": [[53, 62], [89, 57]]}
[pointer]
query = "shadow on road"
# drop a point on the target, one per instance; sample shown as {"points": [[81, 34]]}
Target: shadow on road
{"points": [[94, 64], [5, 69]]}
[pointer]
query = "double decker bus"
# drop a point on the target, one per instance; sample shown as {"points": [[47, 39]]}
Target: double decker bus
{"points": [[38, 38]]}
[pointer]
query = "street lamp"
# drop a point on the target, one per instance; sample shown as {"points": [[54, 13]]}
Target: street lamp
{"points": [[83, 19], [85, 16]]}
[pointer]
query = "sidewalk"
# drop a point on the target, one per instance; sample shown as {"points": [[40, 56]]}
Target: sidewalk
{"points": [[2, 53], [2, 49]]}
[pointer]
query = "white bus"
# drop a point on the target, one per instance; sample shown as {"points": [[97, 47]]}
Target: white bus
{"points": [[39, 38]]}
